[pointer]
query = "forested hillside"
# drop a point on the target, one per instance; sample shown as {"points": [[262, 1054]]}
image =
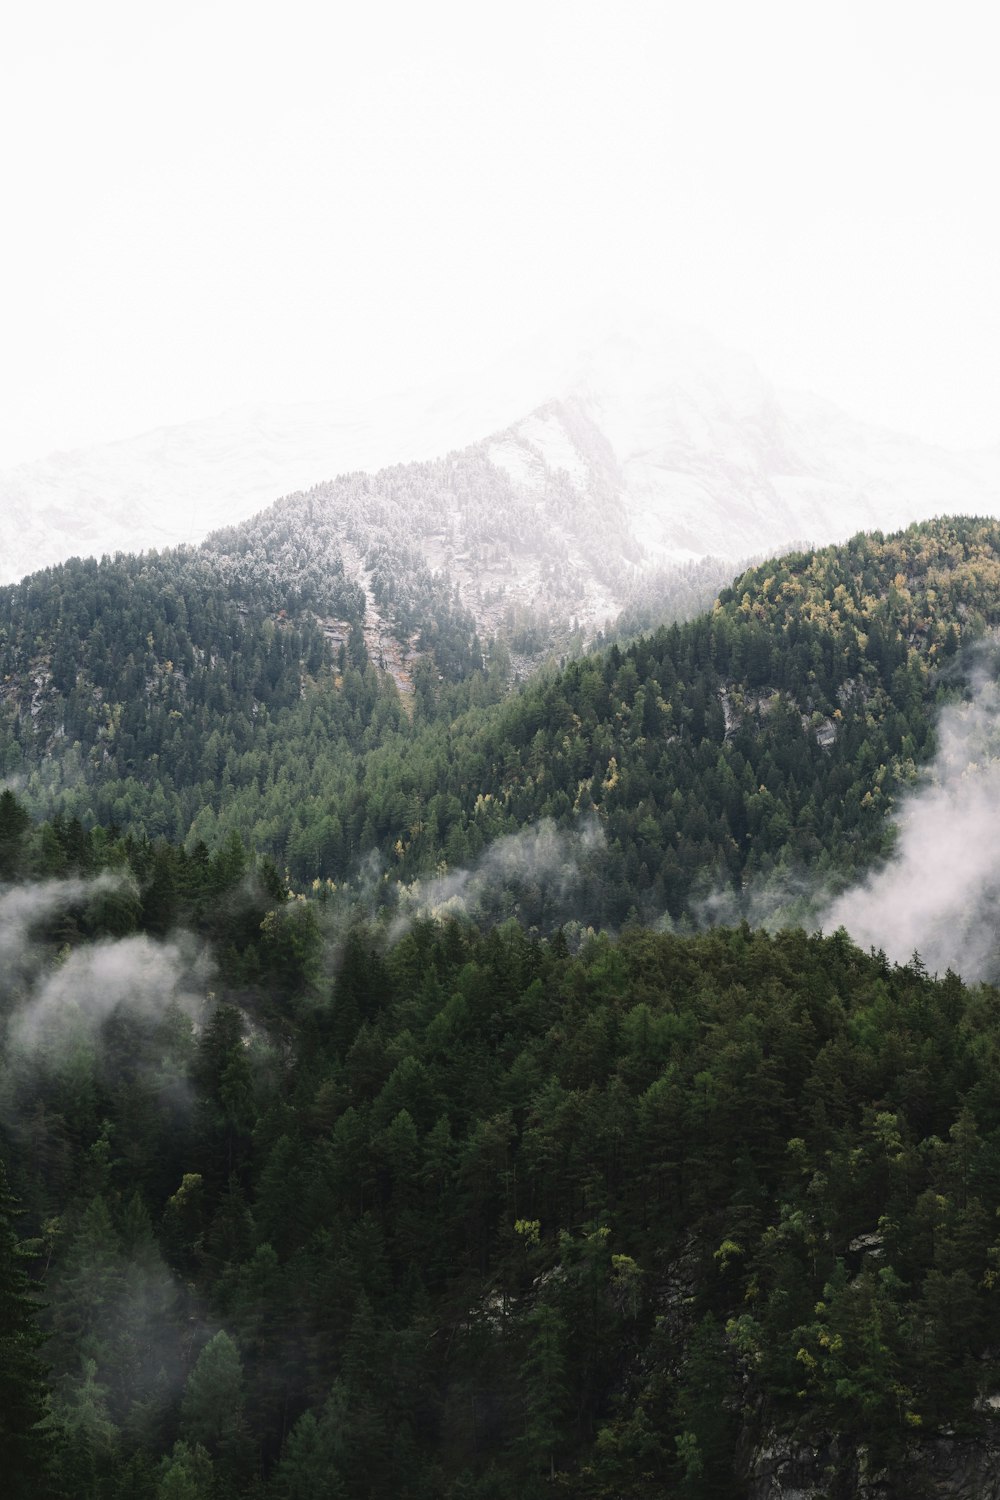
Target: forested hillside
{"points": [[333, 1197], [465, 1214], [768, 734]]}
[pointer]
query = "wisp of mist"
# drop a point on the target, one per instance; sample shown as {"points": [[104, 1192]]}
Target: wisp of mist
{"points": [[553, 861], [939, 895], [50, 1006]]}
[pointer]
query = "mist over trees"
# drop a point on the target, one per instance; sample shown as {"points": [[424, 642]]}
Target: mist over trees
{"points": [[348, 1149], [764, 739], [465, 1213]]}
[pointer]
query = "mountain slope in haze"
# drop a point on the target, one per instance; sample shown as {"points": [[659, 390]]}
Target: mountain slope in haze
{"points": [[176, 484], [581, 477], [706, 457]]}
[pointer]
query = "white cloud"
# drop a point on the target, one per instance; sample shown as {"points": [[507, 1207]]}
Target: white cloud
{"points": [[52, 1005], [940, 893], [541, 856], [98, 981]]}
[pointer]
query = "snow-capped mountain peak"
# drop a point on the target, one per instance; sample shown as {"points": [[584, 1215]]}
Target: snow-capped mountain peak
{"points": [[683, 444]]}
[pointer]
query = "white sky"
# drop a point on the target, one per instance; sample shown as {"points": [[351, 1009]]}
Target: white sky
{"points": [[207, 202]]}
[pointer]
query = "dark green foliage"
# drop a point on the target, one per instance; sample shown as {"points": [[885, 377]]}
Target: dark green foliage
{"points": [[212, 1411], [23, 1442], [477, 1212], [188, 1474], [14, 824], [309, 1467], [769, 735], [531, 1219]]}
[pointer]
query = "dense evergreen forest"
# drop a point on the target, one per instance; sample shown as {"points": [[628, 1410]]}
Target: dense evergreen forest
{"points": [[467, 1214], [769, 734], [311, 1194]]}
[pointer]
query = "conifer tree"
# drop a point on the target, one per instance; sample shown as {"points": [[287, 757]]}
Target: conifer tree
{"points": [[14, 822], [212, 1408], [308, 1467], [23, 1444], [212, 1412], [186, 1475]]}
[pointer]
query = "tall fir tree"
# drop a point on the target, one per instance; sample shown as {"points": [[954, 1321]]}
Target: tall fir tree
{"points": [[24, 1459]]}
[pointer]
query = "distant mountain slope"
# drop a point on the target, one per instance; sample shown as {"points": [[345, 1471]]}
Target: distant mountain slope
{"points": [[550, 492], [176, 484], [707, 458]]}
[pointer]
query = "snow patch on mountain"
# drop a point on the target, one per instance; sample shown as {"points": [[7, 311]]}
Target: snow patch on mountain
{"points": [[178, 484], [652, 445], [544, 430], [524, 466]]}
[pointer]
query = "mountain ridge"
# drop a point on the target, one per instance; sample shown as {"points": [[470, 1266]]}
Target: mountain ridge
{"points": [[800, 705], [685, 444]]}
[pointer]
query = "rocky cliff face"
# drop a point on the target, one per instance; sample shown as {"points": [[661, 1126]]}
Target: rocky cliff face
{"points": [[951, 1467]]}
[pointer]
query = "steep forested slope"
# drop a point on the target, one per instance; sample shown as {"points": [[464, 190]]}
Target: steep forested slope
{"points": [[475, 1217], [409, 1208], [770, 733], [153, 677]]}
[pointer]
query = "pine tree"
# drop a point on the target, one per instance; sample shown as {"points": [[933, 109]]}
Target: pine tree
{"points": [[212, 1408], [23, 1445], [545, 1392], [308, 1466], [186, 1474], [14, 823], [212, 1412], [87, 1438]]}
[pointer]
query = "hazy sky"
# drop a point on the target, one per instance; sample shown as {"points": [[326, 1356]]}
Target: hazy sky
{"points": [[208, 202]]}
